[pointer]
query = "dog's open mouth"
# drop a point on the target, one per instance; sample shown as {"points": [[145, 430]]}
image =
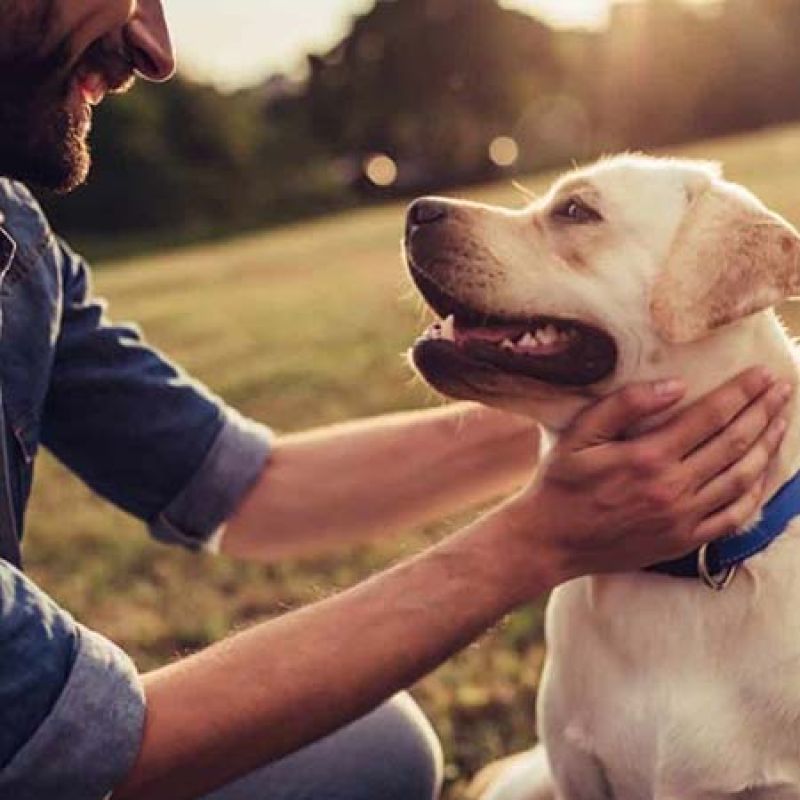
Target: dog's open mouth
{"points": [[555, 350]]}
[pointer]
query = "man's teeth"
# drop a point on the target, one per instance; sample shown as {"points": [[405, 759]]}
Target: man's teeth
{"points": [[93, 88]]}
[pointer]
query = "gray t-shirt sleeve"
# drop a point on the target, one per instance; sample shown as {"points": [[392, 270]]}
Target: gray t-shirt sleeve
{"points": [[72, 708]]}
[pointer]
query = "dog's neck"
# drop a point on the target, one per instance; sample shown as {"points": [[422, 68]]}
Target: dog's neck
{"points": [[772, 346], [761, 339], [704, 366]]}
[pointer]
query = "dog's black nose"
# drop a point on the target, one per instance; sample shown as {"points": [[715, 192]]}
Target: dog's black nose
{"points": [[427, 211]]}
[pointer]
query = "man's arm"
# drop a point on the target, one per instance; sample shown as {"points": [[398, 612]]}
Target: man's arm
{"points": [[267, 692], [138, 430], [144, 435], [72, 707], [353, 482]]}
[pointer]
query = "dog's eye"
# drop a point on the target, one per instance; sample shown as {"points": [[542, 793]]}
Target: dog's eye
{"points": [[574, 210]]}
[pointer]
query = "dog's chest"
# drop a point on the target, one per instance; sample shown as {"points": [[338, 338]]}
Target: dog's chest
{"points": [[674, 689]]}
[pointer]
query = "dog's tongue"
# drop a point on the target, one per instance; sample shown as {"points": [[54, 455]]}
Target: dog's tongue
{"points": [[493, 334]]}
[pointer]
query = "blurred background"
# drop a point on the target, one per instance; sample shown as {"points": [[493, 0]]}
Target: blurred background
{"points": [[308, 107], [248, 215]]}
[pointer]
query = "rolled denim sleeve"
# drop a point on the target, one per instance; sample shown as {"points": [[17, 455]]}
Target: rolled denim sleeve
{"points": [[138, 429], [72, 708], [200, 510]]}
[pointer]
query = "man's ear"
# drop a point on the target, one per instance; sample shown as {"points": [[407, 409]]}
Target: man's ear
{"points": [[731, 258]]}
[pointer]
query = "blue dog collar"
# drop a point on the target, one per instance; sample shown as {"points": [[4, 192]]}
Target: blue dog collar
{"points": [[722, 557]]}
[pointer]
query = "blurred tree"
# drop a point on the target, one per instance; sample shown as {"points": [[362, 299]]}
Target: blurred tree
{"points": [[186, 158], [432, 83]]}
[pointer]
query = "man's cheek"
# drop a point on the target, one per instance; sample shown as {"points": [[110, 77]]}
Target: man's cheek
{"points": [[86, 22]]}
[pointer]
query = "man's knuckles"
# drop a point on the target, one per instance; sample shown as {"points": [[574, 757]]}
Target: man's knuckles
{"points": [[647, 460]]}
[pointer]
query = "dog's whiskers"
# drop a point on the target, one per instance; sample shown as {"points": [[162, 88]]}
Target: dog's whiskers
{"points": [[528, 194]]}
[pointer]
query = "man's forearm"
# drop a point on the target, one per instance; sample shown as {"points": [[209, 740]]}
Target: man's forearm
{"points": [[267, 692], [352, 482]]}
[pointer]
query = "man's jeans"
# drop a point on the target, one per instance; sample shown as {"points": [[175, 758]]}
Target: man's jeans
{"points": [[392, 754]]}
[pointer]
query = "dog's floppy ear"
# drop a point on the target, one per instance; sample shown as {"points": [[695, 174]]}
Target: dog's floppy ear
{"points": [[731, 258]]}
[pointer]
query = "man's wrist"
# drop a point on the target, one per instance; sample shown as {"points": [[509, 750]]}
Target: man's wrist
{"points": [[505, 443], [503, 426], [522, 567]]}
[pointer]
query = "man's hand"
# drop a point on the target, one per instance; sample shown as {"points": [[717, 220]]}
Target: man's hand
{"points": [[603, 503], [598, 504]]}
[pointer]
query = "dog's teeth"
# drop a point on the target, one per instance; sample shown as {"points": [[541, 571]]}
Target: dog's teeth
{"points": [[528, 341], [547, 335], [448, 328], [507, 344]]}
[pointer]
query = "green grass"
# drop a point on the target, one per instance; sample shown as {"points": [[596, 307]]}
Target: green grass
{"points": [[299, 327]]}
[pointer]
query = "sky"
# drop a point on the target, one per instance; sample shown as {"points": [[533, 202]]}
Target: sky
{"points": [[237, 42]]}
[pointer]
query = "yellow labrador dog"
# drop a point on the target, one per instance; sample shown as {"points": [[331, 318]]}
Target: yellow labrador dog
{"points": [[635, 269]]}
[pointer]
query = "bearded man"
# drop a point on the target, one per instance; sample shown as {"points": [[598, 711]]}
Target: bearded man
{"points": [[304, 706]]}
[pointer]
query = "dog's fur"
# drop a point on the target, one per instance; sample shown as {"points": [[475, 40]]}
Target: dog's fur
{"points": [[654, 687]]}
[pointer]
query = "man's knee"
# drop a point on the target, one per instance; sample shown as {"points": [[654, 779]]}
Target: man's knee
{"points": [[391, 754], [410, 755]]}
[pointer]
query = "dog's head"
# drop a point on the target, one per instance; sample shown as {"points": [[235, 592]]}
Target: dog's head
{"points": [[623, 272]]}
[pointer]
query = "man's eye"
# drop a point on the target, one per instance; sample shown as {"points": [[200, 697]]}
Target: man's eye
{"points": [[576, 211]]}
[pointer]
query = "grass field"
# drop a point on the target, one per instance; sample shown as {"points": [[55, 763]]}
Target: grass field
{"points": [[299, 327]]}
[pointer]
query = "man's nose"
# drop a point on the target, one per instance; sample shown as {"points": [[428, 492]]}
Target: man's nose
{"points": [[147, 37]]}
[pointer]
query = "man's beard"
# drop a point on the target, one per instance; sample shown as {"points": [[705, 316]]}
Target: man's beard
{"points": [[42, 140], [43, 131]]}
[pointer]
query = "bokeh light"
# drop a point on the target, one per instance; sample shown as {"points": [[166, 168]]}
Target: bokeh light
{"points": [[381, 170], [504, 151]]}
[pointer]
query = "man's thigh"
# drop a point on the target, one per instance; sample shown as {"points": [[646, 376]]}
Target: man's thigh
{"points": [[391, 754]]}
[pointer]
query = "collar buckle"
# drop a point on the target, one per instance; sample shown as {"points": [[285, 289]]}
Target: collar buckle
{"points": [[719, 582]]}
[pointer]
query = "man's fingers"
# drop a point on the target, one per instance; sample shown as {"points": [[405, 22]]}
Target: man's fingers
{"points": [[736, 481], [733, 518], [710, 415], [756, 424], [611, 417]]}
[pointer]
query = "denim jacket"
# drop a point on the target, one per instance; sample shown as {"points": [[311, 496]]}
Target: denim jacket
{"points": [[143, 435]]}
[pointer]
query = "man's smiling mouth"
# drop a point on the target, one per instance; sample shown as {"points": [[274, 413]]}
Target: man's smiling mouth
{"points": [[92, 86]]}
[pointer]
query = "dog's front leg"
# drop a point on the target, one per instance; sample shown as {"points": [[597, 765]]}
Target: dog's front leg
{"points": [[578, 775], [526, 776], [576, 772]]}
